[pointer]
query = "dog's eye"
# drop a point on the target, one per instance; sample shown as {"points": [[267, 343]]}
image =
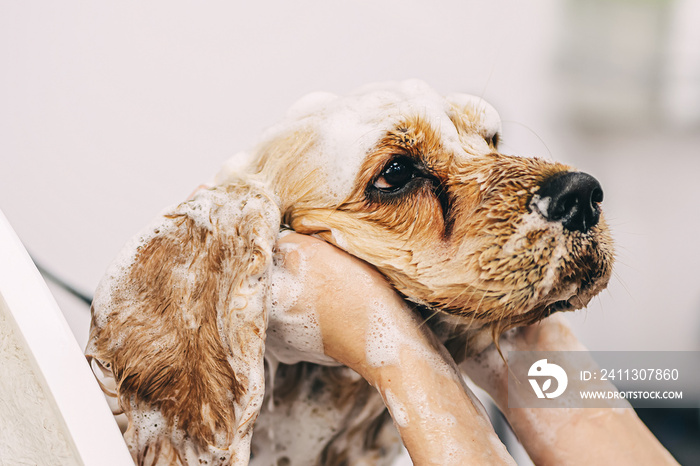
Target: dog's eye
{"points": [[395, 176]]}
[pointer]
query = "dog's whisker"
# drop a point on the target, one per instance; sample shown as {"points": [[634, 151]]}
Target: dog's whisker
{"points": [[534, 133]]}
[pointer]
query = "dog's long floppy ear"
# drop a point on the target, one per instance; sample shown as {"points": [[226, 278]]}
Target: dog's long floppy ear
{"points": [[179, 325]]}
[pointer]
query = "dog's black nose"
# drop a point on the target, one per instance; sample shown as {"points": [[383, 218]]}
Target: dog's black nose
{"points": [[570, 198]]}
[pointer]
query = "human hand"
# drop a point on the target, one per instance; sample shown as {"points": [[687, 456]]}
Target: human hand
{"points": [[366, 325], [569, 436]]}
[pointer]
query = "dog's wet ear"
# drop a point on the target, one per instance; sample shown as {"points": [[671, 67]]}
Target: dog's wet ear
{"points": [[481, 115], [179, 325]]}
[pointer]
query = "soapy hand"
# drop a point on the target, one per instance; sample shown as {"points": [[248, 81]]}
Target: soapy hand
{"points": [[351, 315], [569, 436], [364, 324]]}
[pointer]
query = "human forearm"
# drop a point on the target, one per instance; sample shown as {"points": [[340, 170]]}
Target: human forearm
{"points": [[565, 436], [367, 326]]}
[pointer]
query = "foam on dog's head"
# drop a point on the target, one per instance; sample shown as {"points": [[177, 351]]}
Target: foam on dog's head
{"points": [[347, 128], [485, 116]]}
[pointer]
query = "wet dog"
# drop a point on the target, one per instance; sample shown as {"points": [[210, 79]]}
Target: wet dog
{"points": [[396, 175]]}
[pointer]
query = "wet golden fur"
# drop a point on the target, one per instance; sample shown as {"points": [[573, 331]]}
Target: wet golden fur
{"points": [[174, 327], [461, 242]]}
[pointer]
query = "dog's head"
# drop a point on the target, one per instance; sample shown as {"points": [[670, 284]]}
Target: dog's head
{"points": [[414, 184]]}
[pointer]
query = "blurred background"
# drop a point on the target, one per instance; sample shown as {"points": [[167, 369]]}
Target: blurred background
{"points": [[110, 112]]}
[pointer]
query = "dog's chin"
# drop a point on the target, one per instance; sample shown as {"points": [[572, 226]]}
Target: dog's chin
{"points": [[466, 335], [540, 311], [571, 298]]}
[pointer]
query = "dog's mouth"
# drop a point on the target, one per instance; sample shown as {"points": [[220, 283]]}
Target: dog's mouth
{"points": [[572, 302], [572, 299], [575, 297], [480, 333], [532, 316], [557, 272], [563, 306]]}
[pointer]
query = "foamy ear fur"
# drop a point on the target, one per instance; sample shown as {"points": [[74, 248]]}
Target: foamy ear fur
{"points": [[179, 323], [482, 114]]}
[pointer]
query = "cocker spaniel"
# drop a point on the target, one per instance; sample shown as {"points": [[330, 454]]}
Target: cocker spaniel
{"points": [[396, 175]]}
